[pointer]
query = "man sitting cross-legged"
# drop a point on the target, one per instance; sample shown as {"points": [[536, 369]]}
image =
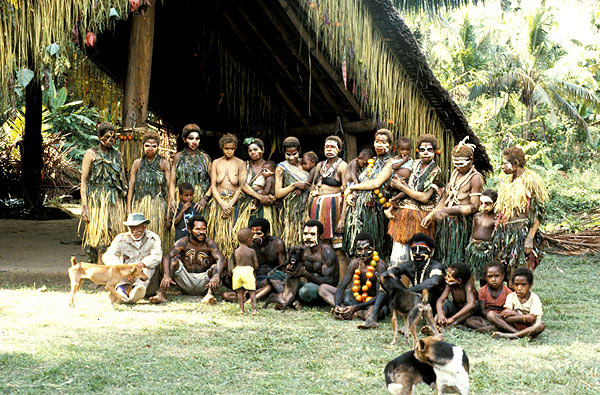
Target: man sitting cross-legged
{"points": [[363, 271], [422, 272], [194, 263]]}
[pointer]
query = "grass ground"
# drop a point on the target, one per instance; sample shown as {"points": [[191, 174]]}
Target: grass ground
{"points": [[187, 347]]}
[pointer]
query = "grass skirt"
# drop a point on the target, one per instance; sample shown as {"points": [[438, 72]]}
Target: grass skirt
{"points": [[407, 222], [155, 209], [509, 239], [224, 230], [479, 253], [451, 239], [257, 210], [106, 214], [328, 210], [291, 215], [367, 216]]}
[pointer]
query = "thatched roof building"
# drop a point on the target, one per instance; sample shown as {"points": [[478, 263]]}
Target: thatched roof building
{"points": [[278, 67]]}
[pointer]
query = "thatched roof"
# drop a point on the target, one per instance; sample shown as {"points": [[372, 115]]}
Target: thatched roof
{"points": [[274, 66]]}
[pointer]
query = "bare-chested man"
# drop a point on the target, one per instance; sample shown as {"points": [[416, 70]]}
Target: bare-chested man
{"points": [[228, 174], [456, 207], [320, 263], [347, 303], [194, 263]]}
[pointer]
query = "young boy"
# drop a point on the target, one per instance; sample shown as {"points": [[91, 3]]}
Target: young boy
{"points": [[356, 165], [464, 296], [492, 297], [185, 210], [309, 161], [402, 166], [480, 249], [268, 172], [522, 314], [246, 262]]}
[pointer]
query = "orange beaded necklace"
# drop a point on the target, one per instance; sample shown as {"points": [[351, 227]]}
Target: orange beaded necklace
{"points": [[357, 288]]}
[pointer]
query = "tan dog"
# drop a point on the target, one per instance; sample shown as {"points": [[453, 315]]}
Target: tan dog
{"points": [[110, 275]]}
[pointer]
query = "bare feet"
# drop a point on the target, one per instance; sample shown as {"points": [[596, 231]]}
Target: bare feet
{"points": [[369, 323], [254, 311], [504, 335], [209, 299], [297, 305], [158, 298]]}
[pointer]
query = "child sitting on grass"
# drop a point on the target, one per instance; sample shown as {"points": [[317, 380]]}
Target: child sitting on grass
{"points": [[185, 210], [246, 262], [464, 296], [492, 297], [522, 314]]}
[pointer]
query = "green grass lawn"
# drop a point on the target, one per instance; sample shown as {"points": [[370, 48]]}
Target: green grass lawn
{"points": [[187, 347]]}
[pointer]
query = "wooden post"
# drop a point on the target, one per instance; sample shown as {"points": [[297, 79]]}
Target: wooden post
{"points": [[31, 159], [137, 83], [351, 148]]}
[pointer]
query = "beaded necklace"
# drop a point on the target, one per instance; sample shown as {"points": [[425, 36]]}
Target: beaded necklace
{"points": [[357, 288], [422, 274]]}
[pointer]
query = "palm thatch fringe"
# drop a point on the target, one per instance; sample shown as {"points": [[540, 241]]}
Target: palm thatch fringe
{"points": [[28, 27], [347, 32]]}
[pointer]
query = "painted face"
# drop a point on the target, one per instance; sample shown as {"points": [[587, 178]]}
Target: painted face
{"points": [[310, 236], [198, 232], [150, 148], [254, 152], [521, 286], [404, 150], [258, 237], [507, 166], [381, 144], [186, 196], [307, 164], [193, 141], [292, 155], [420, 252], [486, 204], [229, 150], [494, 277], [426, 152], [450, 279], [137, 232], [462, 164], [108, 139], [331, 149], [364, 250], [267, 172]]}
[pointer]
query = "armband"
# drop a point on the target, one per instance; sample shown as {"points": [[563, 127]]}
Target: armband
{"points": [[436, 272]]}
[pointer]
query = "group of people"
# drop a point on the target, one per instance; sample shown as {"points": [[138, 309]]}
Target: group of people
{"points": [[351, 218]]}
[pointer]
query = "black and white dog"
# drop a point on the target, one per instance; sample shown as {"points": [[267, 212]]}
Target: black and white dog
{"points": [[434, 362]]}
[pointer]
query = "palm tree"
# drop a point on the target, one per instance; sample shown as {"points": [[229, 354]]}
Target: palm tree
{"points": [[530, 74], [432, 6]]}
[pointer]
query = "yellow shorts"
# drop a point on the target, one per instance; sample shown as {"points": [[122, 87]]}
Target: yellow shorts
{"points": [[243, 277]]}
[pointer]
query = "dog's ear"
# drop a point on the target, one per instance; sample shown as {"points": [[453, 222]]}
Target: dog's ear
{"points": [[73, 261], [421, 346]]}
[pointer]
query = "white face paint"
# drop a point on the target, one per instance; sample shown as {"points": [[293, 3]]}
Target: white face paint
{"points": [[486, 204], [292, 155], [310, 236], [331, 149], [460, 162], [507, 167], [426, 151], [381, 144]]}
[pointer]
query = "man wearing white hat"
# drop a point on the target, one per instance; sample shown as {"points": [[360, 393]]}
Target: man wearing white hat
{"points": [[139, 246]]}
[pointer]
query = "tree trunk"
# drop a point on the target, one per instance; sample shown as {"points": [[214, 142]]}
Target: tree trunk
{"points": [[31, 160]]}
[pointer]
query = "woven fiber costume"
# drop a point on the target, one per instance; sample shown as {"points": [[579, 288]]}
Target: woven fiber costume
{"points": [[193, 168], [408, 216], [478, 254], [453, 232], [367, 214], [254, 207], [520, 203], [224, 230], [327, 208], [106, 194], [291, 213], [150, 197]]}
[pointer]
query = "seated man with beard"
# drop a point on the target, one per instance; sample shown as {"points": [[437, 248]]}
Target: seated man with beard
{"points": [[422, 272], [194, 263]]}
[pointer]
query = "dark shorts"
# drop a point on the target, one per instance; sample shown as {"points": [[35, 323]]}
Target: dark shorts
{"points": [[450, 308], [278, 275]]}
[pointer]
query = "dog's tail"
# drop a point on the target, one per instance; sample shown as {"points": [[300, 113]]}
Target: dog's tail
{"points": [[73, 261], [425, 295]]}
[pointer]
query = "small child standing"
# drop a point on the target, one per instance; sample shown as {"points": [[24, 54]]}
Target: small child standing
{"points": [[480, 249], [522, 314], [246, 262], [185, 210], [356, 165], [492, 297], [464, 296]]}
